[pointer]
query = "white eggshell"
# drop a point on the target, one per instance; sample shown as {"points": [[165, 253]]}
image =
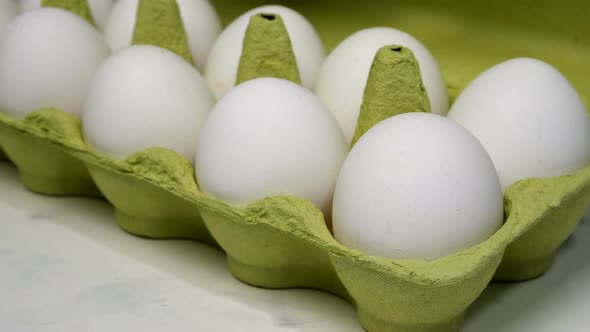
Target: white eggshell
{"points": [[8, 10], [343, 76], [26, 5], [528, 117], [270, 137], [98, 8], [199, 19], [224, 58], [47, 59], [145, 97], [416, 186]]}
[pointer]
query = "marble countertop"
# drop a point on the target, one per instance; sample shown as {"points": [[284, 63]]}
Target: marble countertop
{"points": [[66, 266]]}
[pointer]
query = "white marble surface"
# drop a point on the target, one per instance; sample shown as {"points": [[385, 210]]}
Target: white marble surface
{"points": [[66, 266]]}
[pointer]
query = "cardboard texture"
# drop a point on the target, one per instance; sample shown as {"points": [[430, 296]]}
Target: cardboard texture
{"points": [[283, 241], [159, 23], [394, 87], [267, 51], [79, 7]]}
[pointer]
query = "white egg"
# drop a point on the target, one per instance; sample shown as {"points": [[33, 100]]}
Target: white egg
{"points": [[98, 8], [416, 186], [8, 10], [145, 97], [26, 5], [224, 58], [267, 137], [343, 76], [528, 117], [199, 19], [47, 59]]}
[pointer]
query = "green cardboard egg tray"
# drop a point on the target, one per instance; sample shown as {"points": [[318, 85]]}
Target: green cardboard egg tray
{"points": [[283, 241]]}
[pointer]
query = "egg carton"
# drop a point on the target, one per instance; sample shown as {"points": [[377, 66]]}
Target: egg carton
{"points": [[283, 241]]}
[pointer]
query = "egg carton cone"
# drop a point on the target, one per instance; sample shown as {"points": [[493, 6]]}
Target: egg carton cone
{"points": [[284, 241]]}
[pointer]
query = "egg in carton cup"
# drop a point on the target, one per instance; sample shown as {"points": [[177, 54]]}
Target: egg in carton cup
{"points": [[284, 241]]}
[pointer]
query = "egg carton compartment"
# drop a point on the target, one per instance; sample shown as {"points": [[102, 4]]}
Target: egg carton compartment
{"points": [[283, 241]]}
